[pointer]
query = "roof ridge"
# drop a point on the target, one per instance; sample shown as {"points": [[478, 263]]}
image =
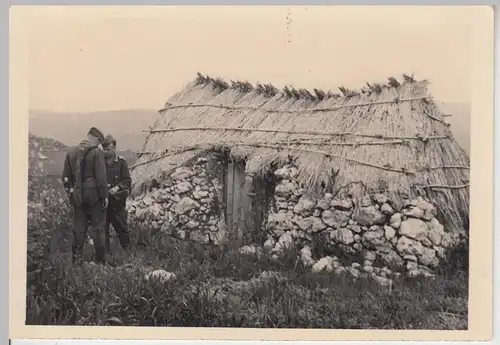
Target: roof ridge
{"points": [[290, 91]]}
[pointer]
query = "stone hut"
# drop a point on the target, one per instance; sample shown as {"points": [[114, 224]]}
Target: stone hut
{"points": [[375, 171]]}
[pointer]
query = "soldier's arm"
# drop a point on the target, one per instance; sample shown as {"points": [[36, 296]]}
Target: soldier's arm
{"points": [[67, 175], [100, 174], [126, 180]]}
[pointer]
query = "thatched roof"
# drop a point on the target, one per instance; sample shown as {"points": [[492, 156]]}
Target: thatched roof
{"points": [[387, 136]]}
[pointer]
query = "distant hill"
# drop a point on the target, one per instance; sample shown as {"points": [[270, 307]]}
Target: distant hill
{"points": [[127, 125]]}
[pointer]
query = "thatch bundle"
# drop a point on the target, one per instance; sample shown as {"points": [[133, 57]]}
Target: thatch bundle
{"points": [[389, 137]]}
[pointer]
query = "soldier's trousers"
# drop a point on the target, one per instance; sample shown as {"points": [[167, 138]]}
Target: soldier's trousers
{"points": [[117, 216], [92, 219]]}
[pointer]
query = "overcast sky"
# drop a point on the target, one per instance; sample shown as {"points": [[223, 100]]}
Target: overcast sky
{"points": [[83, 59]]}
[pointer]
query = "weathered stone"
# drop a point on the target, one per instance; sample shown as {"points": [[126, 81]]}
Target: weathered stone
{"points": [[282, 205], [357, 246], [305, 223], [369, 215], [286, 189], [323, 264], [380, 198], [335, 219], [342, 204], [369, 255], [328, 197], [181, 174], [160, 275], [283, 173], [414, 212], [250, 250], [280, 221], [374, 228], [344, 236], [183, 187], [306, 256], [440, 252], [323, 205], [392, 259], [376, 240], [389, 232], [357, 238], [436, 231], [304, 206], [387, 209], [197, 236], [366, 201], [413, 228], [408, 246], [316, 213], [395, 220], [285, 242], [411, 265], [410, 258], [368, 263], [428, 209], [368, 269], [428, 257], [200, 194], [192, 224], [269, 244], [354, 227], [317, 225]]}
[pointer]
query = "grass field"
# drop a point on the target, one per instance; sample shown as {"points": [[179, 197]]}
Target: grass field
{"points": [[219, 287]]}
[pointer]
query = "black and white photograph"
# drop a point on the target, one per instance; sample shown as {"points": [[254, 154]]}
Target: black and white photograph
{"points": [[274, 167]]}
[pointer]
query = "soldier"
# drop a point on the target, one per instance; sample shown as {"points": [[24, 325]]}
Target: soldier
{"points": [[119, 184], [85, 182]]}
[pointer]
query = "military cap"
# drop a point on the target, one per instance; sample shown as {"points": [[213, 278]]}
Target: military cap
{"points": [[96, 133], [108, 140]]}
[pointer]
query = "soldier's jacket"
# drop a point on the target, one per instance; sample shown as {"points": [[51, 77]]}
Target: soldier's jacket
{"points": [[87, 182], [118, 174]]}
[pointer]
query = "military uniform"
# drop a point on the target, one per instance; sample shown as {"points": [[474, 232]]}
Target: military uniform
{"points": [[85, 181], [118, 175]]}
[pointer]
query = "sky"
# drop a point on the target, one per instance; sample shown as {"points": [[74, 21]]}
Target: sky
{"points": [[88, 59]]}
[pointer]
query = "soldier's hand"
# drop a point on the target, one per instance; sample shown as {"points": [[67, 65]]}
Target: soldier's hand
{"points": [[113, 190], [105, 203]]}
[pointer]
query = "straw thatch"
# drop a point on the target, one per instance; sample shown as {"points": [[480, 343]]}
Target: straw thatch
{"points": [[386, 136]]}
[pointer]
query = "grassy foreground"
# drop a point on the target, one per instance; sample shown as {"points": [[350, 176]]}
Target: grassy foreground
{"points": [[219, 287]]}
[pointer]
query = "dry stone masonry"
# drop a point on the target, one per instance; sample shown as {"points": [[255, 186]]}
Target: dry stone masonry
{"points": [[186, 204], [386, 239]]}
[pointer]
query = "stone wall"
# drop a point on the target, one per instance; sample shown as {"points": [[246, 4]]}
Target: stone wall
{"points": [[186, 204], [372, 230]]}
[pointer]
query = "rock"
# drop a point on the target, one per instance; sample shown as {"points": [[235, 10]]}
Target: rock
{"points": [[155, 210], [181, 174], [280, 221], [448, 241], [353, 271], [395, 220], [368, 263], [428, 257], [306, 256], [383, 282], [160, 275], [356, 265], [328, 197], [369, 215], [413, 228], [200, 194], [354, 227], [410, 258], [323, 264], [344, 204], [387, 209], [286, 189], [408, 246], [198, 237], [414, 212], [376, 240], [366, 201], [185, 205], [294, 172], [304, 206], [335, 219], [380, 198], [440, 252], [368, 269], [357, 238], [436, 231], [428, 209], [411, 265], [369, 255], [343, 235], [285, 242], [183, 187], [392, 259], [250, 250], [322, 205], [316, 213], [192, 224], [357, 246], [283, 173], [389, 232]]}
